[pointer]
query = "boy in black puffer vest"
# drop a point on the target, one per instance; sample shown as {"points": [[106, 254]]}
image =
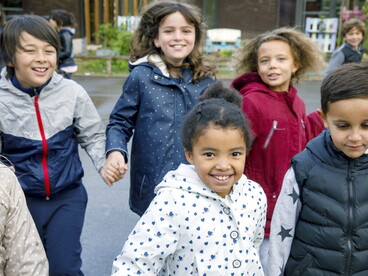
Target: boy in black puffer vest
{"points": [[319, 226]]}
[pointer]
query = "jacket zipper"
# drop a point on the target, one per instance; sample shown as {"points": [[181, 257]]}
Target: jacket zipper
{"points": [[270, 134], [349, 224], [44, 146]]}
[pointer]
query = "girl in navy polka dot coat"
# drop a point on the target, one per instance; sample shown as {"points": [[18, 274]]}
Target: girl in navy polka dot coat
{"points": [[207, 218], [167, 77]]}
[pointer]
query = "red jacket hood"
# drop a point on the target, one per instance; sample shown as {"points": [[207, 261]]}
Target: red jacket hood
{"points": [[252, 82]]}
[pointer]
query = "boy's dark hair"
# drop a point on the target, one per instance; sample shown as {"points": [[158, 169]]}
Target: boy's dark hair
{"points": [[221, 107], [63, 18], [348, 81], [353, 23], [31, 24]]}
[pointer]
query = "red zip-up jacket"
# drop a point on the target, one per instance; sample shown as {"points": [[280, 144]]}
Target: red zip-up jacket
{"points": [[280, 128]]}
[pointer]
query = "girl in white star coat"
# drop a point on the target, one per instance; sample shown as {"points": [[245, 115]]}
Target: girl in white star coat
{"points": [[207, 218]]}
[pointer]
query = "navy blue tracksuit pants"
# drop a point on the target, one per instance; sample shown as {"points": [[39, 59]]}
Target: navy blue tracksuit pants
{"points": [[59, 222]]}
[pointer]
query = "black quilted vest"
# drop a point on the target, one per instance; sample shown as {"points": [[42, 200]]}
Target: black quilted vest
{"points": [[331, 236], [352, 55]]}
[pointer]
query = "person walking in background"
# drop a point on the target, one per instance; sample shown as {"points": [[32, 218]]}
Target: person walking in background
{"points": [[21, 249], [167, 76], [353, 31], [270, 63], [43, 119], [64, 23], [207, 218], [319, 226], [2, 23]]}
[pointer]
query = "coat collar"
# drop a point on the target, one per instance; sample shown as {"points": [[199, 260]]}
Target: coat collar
{"points": [[185, 178], [154, 59]]}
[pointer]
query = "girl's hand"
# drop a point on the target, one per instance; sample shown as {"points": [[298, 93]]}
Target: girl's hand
{"points": [[114, 168]]}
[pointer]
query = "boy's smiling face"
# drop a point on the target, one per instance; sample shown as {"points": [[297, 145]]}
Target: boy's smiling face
{"points": [[35, 61], [348, 124], [354, 37]]}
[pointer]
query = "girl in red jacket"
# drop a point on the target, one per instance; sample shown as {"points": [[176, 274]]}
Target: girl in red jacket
{"points": [[269, 64]]}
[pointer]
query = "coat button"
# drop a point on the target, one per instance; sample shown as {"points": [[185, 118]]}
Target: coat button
{"points": [[155, 77], [236, 263], [234, 234], [226, 210]]}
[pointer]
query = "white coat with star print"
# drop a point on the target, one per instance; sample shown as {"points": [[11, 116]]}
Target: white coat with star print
{"points": [[190, 230]]}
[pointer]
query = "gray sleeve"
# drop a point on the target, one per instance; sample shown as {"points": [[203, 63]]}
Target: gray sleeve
{"points": [[283, 223], [89, 129], [336, 60]]}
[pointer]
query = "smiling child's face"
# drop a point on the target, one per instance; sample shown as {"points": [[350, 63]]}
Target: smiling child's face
{"points": [[276, 64], [219, 158], [176, 38], [35, 61], [354, 37]]}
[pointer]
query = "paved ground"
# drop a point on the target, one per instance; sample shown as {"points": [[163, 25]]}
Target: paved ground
{"points": [[109, 220]]}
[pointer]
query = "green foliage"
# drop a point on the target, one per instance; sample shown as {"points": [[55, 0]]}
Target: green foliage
{"points": [[225, 53], [98, 66], [119, 66], [115, 38], [121, 43], [365, 10]]}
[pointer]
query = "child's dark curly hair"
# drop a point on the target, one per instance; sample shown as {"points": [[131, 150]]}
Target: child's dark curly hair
{"points": [[221, 107]]}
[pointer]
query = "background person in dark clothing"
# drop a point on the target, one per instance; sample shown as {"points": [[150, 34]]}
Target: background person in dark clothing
{"points": [[2, 23], [64, 23], [351, 50]]}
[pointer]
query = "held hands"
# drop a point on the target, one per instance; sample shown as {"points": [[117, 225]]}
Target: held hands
{"points": [[114, 168]]}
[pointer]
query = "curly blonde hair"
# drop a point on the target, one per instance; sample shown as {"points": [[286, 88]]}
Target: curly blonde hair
{"points": [[305, 52], [142, 42]]}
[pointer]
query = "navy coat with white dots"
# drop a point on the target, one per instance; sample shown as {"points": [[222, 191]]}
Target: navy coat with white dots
{"points": [[190, 230], [152, 106]]}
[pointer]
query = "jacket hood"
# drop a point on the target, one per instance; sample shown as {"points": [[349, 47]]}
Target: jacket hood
{"points": [[330, 155], [185, 178], [245, 79], [252, 82], [68, 29], [154, 60]]}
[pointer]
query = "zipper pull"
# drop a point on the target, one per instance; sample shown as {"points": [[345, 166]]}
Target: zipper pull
{"points": [[274, 127]]}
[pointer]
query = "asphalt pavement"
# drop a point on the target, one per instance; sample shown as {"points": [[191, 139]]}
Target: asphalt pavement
{"points": [[108, 219]]}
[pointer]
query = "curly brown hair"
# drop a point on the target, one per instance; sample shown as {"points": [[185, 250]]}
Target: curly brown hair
{"points": [[142, 42], [306, 53]]}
